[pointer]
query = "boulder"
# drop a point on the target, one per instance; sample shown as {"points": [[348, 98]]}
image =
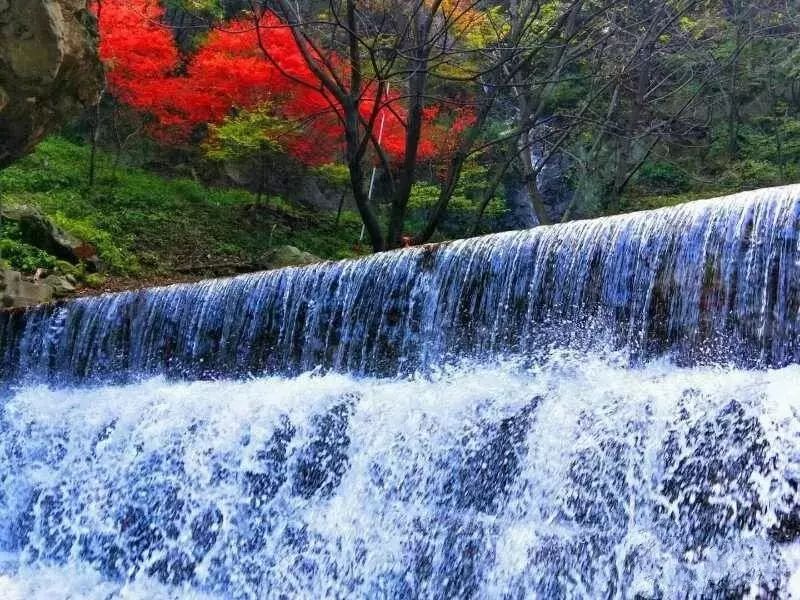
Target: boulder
{"points": [[16, 292], [60, 285], [49, 69], [288, 256], [292, 181], [38, 230]]}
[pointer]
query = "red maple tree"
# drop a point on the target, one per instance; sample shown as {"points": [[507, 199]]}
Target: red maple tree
{"points": [[231, 72]]}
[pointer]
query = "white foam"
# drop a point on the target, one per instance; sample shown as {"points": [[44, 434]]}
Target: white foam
{"points": [[76, 582], [597, 439]]}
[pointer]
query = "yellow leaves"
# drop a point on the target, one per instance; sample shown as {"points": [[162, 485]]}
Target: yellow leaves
{"points": [[469, 32], [702, 25], [206, 7], [245, 134], [472, 27]]}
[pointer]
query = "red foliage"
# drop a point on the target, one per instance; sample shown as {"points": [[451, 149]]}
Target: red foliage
{"points": [[230, 71], [140, 55]]}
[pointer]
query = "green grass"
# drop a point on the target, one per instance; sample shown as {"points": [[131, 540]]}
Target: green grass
{"points": [[143, 224]]}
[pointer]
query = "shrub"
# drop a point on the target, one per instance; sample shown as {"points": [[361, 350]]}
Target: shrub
{"points": [[94, 280], [24, 257], [109, 247], [748, 174], [662, 177]]}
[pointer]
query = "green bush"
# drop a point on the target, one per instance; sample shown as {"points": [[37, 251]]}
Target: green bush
{"points": [[115, 254], [335, 174], [748, 174], [65, 268], [662, 177], [19, 255], [228, 249], [462, 208], [24, 257], [94, 280]]}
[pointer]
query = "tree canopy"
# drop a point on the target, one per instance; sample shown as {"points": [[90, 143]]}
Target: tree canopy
{"points": [[619, 95]]}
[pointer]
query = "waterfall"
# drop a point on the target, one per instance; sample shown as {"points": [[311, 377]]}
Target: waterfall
{"points": [[604, 409], [707, 280]]}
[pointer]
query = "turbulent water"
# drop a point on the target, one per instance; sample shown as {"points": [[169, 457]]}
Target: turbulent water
{"points": [[607, 409], [579, 477]]}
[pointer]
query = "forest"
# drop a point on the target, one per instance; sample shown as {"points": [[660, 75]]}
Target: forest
{"points": [[226, 128]]}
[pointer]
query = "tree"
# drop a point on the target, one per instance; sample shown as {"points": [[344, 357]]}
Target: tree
{"points": [[245, 136], [648, 92], [420, 89], [430, 46], [355, 55], [236, 69]]}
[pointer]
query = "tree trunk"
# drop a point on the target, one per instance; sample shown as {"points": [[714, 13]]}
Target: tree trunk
{"points": [[416, 104], [355, 167], [95, 141], [733, 109]]}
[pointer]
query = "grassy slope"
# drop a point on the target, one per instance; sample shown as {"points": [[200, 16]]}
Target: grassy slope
{"points": [[145, 226], [149, 229]]}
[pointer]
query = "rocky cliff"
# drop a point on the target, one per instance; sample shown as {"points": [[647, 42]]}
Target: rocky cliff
{"points": [[49, 69]]}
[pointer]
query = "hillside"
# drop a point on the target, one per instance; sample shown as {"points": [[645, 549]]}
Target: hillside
{"points": [[147, 228]]}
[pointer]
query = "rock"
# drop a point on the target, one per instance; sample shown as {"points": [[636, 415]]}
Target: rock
{"points": [[288, 256], [290, 181], [49, 69], [38, 230], [60, 285], [520, 208], [15, 292]]}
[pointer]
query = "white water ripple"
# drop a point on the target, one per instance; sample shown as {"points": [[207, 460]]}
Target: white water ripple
{"points": [[581, 477]]}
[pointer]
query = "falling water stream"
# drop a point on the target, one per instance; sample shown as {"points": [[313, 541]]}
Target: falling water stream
{"points": [[605, 409]]}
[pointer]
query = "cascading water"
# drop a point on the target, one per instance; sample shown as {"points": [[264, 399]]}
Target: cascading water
{"points": [[702, 279], [602, 409]]}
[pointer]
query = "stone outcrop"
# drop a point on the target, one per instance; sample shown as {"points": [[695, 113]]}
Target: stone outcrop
{"points": [[293, 181], [60, 284], [288, 256], [16, 292], [38, 230], [49, 69]]}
